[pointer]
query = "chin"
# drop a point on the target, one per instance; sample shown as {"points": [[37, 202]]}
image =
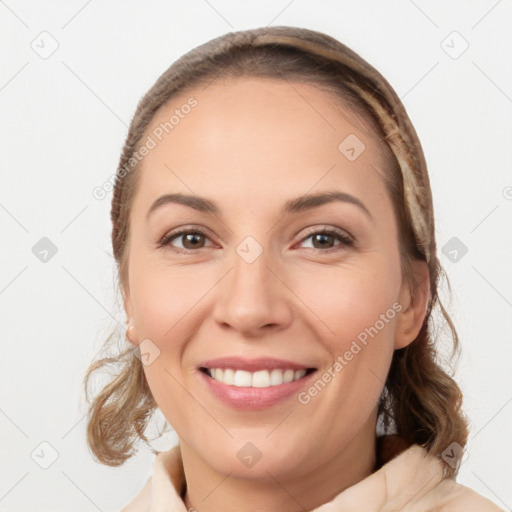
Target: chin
{"points": [[256, 457]]}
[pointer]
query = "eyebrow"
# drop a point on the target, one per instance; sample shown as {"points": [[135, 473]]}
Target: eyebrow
{"points": [[305, 202]]}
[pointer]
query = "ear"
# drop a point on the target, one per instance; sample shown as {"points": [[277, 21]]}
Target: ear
{"points": [[414, 299], [131, 332]]}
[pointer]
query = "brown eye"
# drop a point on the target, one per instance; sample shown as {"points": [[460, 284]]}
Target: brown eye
{"points": [[329, 239], [323, 240], [193, 240], [189, 240]]}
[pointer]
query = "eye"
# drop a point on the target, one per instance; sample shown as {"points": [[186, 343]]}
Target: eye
{"points": [[190, 239], [326, 238]]}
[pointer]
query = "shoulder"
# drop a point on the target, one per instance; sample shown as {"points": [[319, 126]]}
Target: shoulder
{"points": [[414, 479], [163, 489], [414, 470], [141, 502], [451, 496]]}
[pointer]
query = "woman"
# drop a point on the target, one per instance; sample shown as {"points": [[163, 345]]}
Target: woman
{"points": [[274, 234]]}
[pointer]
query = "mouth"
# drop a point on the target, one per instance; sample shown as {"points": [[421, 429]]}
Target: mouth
{"points": [[254, 384], [257, 379]]}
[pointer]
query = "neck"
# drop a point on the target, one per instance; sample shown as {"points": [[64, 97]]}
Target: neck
{"points": [[211, 491]]}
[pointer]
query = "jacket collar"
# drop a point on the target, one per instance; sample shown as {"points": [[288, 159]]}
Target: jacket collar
{"points": [[405, 475]]}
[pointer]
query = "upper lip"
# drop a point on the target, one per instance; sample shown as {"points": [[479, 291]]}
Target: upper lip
{"points": [[253, 365]]}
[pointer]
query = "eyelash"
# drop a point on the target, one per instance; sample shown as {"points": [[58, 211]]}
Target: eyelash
{"points": [[345, 240]]}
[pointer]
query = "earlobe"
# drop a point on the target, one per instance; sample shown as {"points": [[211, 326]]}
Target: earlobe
{"points": [[414, 303], [130, 335]]}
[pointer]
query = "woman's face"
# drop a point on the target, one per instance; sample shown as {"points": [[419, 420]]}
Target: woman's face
{"points": [[265, 291]]}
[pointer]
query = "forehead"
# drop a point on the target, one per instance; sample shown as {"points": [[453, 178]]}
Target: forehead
{"points": [[262, 136]]}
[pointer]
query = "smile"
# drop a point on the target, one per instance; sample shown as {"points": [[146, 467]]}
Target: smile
{"points": [[258, 379], [254, 384]]}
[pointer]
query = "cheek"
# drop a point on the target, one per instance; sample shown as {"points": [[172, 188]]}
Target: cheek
{"points": [[163, 299], [350, 302], [163, 308]]}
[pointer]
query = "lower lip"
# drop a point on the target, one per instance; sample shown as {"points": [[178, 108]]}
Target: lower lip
{"points": [[253, 399]]}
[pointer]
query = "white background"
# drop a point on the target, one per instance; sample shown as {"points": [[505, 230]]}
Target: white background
{"points": [[63, 123]]}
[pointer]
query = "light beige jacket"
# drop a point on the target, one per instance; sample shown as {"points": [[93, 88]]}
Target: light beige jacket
{"points": [[409, 480]]}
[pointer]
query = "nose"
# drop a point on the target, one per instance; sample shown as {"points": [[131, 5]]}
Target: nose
{"points": [[253, 299]]}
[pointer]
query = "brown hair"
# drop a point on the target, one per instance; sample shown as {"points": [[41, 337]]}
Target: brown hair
{"points": [[421, 402]]}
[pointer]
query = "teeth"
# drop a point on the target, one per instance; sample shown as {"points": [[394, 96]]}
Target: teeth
{"points": [[288, 375], [229, 376], [277, 377], [242, 379], [299, 374], [259, 379]]}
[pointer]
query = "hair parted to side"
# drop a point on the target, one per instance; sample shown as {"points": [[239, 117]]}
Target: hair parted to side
{"points": [[421, 402]]}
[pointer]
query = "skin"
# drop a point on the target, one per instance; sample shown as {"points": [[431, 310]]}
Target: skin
{"points": [[250, 145]]}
